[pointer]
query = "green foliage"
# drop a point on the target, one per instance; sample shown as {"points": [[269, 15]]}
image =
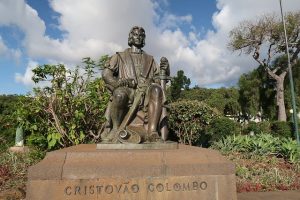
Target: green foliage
{"points": [[223, 99], [248, 36], [264, 127], [290, 149], [258, 127], [190, 119], [249, 85], [296, 79], [257, 94], [197, 93], [69, 110], [281, 129], [179, 83], [8, 122], [261, 144], [222, 127], [263, 39]]}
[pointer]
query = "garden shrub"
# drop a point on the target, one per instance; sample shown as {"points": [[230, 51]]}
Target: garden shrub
{"points": [[258, 127], [251, 127], [69, 110], [222, 127], [189, 120], [8, 122], [292, 127], [281, 129], [264, 127], [290, 149]]}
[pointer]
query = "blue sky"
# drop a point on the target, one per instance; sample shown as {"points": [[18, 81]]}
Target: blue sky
{"points": [[192, 34]]}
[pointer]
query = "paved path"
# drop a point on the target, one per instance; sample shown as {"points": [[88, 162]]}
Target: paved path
{"points": [[278, 195]]}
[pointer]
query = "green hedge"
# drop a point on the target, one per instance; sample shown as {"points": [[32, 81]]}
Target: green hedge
{"points": [[222, 127], [189, 121], [281, 129]]}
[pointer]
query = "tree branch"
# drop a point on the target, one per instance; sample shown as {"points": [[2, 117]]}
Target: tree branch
{"points": [[56, 120], [275, 70], [283, 74], [269, 52], [273, 75], [256, 56], [295, 54], [96, 137]]}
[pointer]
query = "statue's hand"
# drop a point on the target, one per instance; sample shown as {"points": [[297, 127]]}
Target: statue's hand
{"points": [[127, 83]]}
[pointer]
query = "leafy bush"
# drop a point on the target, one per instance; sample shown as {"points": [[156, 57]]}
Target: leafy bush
{"points": [[290, 149], [281, 129], [69, 110], [258, 127], [8, 122], [189, 120], [261, 144], [264, 127], [222, 127]]}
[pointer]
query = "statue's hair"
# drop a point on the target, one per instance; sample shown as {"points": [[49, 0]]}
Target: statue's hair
{"points": [[130, 37]]}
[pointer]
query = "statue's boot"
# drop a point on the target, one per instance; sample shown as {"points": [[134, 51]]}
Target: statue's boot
{"points": [[111, 137], [154, 137], [154, 112]]}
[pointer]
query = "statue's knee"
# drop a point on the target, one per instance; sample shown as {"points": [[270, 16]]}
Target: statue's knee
{"points": [[156, 91], [120, 96]]}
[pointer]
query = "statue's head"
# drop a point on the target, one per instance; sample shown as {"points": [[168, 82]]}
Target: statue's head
{"points": [[137, 37]]}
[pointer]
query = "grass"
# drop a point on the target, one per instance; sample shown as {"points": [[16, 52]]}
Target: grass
{"points": [[13, 169]]}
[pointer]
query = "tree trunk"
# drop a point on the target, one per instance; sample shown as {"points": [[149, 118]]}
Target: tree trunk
{"points": [[280, 98]]}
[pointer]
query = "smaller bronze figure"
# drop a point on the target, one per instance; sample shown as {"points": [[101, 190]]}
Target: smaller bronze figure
{"points": [[136, 112]]}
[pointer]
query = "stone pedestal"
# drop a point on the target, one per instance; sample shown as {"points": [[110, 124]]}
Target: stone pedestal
{"points": [[84, 172], [19, 149]]}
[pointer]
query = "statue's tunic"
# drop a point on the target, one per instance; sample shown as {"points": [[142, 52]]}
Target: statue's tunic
{"points": [[128, 65], [137, 66]]}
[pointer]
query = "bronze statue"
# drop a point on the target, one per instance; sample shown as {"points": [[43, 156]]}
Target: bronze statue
{"points": [[136, 112]]}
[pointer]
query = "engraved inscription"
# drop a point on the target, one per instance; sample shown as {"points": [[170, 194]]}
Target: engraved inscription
{"points": [[127, 188], [177, 186], [101, 189]]}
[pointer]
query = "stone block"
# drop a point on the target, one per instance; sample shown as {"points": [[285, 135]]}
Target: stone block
{"points": [[84, 172]]}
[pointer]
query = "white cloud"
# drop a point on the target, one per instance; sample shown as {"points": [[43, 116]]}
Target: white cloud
{"points": [[93, 28], [26, 77], [171, 21], [14, 54]]}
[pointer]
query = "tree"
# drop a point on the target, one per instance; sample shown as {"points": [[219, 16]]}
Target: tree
{"points": [[179, 83], [264, 39], [256, 94], [223, 99], [296, 77]]}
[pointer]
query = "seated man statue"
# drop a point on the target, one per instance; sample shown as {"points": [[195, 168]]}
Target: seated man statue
{"points": [[136, 112]]}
